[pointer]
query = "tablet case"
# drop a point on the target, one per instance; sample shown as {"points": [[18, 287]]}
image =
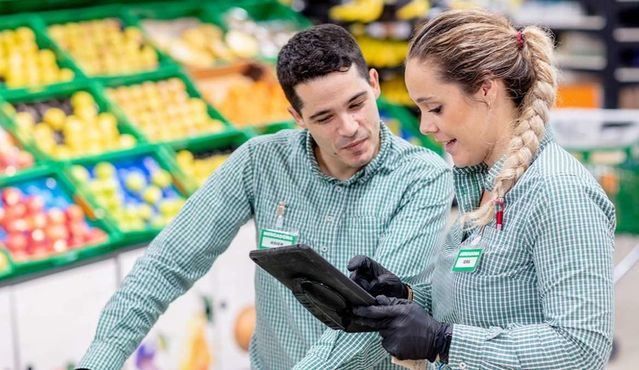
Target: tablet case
{"points": [[320, 287]]}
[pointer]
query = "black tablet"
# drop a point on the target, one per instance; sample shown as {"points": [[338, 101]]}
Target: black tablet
{"points": [[323, 289]]}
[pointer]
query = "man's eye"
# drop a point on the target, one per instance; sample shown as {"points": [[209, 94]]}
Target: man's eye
{"points": [[357, 105], [324, 119]]}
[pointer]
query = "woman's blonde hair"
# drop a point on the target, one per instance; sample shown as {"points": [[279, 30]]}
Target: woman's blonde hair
{"points": [[472, 46]]}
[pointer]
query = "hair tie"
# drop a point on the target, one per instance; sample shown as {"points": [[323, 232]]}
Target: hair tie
{"points": [[520, 40]]}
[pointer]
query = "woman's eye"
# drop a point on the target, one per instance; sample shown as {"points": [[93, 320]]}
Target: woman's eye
{"points": [[436, 110]]}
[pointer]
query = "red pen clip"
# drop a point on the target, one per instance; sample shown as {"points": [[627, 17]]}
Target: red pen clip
{"points": [[499, 213]]}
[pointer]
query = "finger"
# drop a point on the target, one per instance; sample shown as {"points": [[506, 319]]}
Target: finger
{"points": [[376, 312], [373, 324], [364, 283], [356, 262]]}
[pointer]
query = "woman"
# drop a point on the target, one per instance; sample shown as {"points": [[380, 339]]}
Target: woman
{"points": [[524, 278]]}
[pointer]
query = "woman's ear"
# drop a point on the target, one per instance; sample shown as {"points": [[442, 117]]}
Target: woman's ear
{"points": [[488, 92]]}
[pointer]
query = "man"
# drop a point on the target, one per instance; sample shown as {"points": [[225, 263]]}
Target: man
{"points": [[344, 185]]}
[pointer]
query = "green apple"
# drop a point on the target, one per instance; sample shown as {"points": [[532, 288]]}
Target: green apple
{"points": [[104, 170], [80, 173], [135, 181], [161, 178], [152, 194]]}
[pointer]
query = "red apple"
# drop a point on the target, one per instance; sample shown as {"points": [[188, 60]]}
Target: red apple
{"points": [[34, 203], [38, 236], [79, 229], [55, 232], [16, 211], [37, 220], [17, 225], [16, 242], [56, 216], [11, 196], [60, 245], [96, 236], [74, 213]]}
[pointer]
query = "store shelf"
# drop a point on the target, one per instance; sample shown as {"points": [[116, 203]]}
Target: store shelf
{"points": [[627, 35], [584, 23], [627, 75], [581, 62]]}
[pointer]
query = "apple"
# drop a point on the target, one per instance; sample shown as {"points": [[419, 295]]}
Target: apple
{"points": [[56, 216], [161, 178], [16, 242], [104, 170], [135, 181], [152, 194], [74, 213], [11, 196]]}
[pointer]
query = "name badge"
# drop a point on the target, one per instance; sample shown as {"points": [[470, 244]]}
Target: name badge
{"points": [[467, 260], [270, 238]]}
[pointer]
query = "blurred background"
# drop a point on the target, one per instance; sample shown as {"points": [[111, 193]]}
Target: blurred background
{"points": [[113, 112]]}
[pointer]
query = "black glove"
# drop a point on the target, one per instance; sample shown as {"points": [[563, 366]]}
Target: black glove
{"points": [[408, 332], [376, 279]]}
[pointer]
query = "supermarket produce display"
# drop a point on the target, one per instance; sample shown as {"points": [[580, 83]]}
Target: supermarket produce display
{"points": [[112, 115]]}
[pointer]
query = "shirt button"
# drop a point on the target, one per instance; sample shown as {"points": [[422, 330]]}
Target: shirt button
{"points": [[338, 189], [324, 249], [462, 365], [329, 219]]}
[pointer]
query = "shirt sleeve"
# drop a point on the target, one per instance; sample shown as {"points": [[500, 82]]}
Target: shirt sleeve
{"points": [[572, 251], [182, 253], [404, 249]]}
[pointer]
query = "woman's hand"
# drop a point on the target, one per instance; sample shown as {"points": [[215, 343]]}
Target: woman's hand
{"points": [[376, 279], [408, 332]]}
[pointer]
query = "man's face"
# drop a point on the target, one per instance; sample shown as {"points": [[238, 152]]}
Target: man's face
{"points": [[340, 112]]}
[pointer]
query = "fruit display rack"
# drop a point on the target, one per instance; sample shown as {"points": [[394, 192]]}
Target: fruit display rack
{"points": [[138, 190], [165, 106], [139, 103], [29, 59], [67, 121], [45, 222]]}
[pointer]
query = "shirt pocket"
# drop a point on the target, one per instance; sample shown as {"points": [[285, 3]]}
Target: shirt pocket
{"points": [[361, 234], [502, 254]]}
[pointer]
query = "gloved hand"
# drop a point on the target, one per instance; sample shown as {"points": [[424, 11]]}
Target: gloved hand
{"points": [[376, 279], [408, 332]]}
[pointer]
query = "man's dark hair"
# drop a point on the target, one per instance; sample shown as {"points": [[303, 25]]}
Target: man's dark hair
{"points": [[314, 53]]}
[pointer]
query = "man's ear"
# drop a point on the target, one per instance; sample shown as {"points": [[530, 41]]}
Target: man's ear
{"points": [[296, 116], [373, 79]]}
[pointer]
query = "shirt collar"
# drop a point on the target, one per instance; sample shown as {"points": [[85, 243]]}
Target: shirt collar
{"points": [[365, 172], [471, 181]]}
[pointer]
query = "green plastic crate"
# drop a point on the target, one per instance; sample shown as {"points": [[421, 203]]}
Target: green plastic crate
{"points": [[94, 13], [407, 125], [71, 195], [31, 21], [60, 91], [160, 156], [164, 74], [617, 171], [6, 265], [230, 141]]}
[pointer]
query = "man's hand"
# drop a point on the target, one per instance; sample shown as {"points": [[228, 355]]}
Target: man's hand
{"points": [[408, 332], [376, 279]]}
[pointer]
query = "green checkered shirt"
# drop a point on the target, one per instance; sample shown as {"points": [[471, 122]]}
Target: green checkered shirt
{"points": [[394, 209], [542, 294]]}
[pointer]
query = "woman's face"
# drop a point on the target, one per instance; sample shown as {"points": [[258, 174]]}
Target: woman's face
{"points": [[465, 125]]}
